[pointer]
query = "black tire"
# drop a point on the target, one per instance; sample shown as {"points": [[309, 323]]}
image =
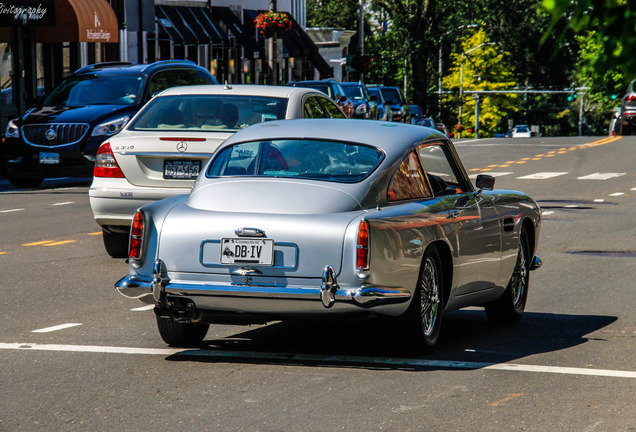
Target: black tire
{"points": [[423, 318], [510, 306], [25, 182], [116, 243], [180, 334]]}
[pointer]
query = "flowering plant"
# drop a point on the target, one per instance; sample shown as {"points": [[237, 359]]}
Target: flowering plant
{"points": [[272, 23]]}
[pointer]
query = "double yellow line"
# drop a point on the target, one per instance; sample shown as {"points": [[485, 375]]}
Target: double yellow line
{"points": [[551, 153], [51, 242]]}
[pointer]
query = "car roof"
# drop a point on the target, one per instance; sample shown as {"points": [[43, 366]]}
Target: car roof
{"points": [[393, 138], [240, 89], [116, 68]]}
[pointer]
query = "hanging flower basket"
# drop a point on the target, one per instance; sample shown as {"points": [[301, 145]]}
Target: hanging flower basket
{"points": [[272, 24]]}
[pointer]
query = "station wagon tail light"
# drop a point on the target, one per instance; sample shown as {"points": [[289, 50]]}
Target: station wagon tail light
{"points": [[362, 250], [136, 236], [630, 98], [105, 163]]}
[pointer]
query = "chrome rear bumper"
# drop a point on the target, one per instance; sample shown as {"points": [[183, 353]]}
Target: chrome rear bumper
{"points": [[262, 298]]}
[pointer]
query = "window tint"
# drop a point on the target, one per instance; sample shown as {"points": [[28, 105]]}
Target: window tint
{"points": [[176, 77], [209, 113], [408, 181], [96, 90], [331, 108], [293, 158], [314, 109], [440, 171]]}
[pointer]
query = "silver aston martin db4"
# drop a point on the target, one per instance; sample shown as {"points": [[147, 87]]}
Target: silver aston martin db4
{"points": [[320, 218]]}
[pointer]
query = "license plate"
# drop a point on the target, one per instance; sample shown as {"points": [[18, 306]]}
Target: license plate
{"points": [[49, 158], [180, 169], [247, 251]]}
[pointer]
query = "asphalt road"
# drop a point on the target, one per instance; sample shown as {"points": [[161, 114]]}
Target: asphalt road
{"points": [[77, 356]]}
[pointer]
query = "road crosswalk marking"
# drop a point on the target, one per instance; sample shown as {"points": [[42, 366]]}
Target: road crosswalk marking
{"points": [[600, 176], [542, 175]]}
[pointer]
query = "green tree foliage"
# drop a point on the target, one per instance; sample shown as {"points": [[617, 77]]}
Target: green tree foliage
{"points": [[485, 67], [333, 13], [613, 23]]}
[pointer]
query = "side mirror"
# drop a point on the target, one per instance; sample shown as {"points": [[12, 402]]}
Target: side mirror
{"points": [[342, 99], [373, 98], [485, 182]]}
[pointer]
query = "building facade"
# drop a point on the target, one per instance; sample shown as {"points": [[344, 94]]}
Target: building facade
{"points": [[41, 41]]}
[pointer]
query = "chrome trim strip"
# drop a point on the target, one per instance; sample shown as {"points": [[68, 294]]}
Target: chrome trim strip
{"points": [[166, 154], [133, 286]]}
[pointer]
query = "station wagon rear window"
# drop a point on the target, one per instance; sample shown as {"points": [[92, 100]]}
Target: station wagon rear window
{"points": [[208, 113], [294, 158]]}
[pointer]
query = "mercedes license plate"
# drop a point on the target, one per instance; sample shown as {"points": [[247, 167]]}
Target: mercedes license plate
{"points": [[49, 158], [247, 251], [181, 169]]}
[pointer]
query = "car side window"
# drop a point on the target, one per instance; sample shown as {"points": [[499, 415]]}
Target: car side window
{"points": [[313, 109], [441, 171], [331, 108], [408, 181]]}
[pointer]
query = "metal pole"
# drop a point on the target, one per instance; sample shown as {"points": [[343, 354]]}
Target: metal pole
{"points": [[439, 81], [476, 97], [461, 94], [361, 33], [581, 114]]}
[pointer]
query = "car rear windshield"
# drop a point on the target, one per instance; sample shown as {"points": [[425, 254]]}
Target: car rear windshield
{"points": [[208, 113], [96, 90], [296, 158]]}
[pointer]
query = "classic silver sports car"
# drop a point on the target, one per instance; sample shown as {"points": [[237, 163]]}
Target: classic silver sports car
{"points": [[306, 218]]}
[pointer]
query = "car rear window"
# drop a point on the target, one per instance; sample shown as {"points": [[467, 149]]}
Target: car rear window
{"points": [[208, 113], [296, 158]]}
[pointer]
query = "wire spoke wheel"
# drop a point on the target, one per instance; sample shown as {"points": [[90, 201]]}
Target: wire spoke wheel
{"points": [[429, 296]]}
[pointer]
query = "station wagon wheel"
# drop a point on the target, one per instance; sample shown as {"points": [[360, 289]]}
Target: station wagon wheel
{"points": [[510, 306], [423, 319], [181, 334]]}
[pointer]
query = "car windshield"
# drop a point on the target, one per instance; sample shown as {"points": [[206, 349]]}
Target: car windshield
{"points": [[375, 92], [96, 90], [392, 95], [323, 87], [354, 92], [208, 113], [297, 158]]}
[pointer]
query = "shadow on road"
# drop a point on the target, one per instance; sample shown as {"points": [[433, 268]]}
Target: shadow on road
{"points": [[467, 336]]}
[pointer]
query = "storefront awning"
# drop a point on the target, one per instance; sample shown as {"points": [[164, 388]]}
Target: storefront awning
{"points": [[234, 25], [81, 21], [298, 44], [189, 25]]}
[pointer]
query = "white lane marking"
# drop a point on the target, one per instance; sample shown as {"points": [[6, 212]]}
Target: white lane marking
{"points": [[633, 189], [64, 203], [493, 173], [546, 213], [89, 349], [11, 210], [542, 175], [617, 194], [599, 200], [600, 176], [143, 308], [331, 359], [56, 328]]}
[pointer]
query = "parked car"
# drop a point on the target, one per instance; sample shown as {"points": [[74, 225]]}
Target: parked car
{"points": [[442, 128], [627, 119], [61, 135], [520, 131], [418, 117], [394, 227], [393, 96], [384, 109], [331, 88], [160, 152], [365, 105]]}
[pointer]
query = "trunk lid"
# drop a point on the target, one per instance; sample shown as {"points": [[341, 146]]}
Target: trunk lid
{"points": [[167, 160]]}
